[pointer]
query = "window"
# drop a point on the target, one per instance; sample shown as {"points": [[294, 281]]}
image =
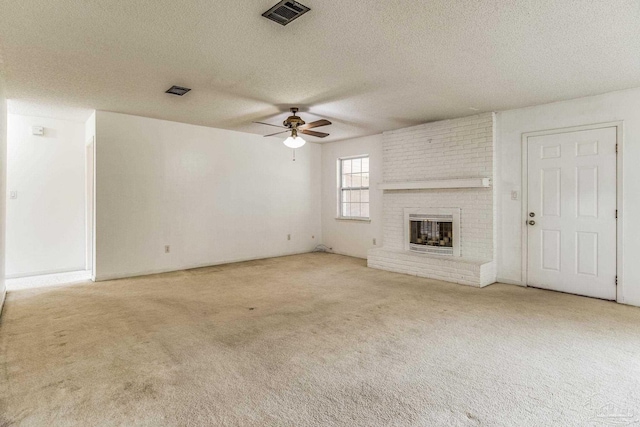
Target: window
{"points": [[354, 187]]}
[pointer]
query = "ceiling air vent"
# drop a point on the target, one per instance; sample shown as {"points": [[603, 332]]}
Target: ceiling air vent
{"points": [[286, 11], [178, 90]]}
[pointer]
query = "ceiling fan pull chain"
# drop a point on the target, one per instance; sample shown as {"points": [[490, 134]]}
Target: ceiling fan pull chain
{"points": [[294, 154]]}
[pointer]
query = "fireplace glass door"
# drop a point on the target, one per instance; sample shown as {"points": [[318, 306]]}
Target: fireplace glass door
{"points": [[435, 236]]}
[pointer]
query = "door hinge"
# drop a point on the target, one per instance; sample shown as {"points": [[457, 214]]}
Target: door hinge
{"points": [[616, 280], [616, 213], [616, 148]]}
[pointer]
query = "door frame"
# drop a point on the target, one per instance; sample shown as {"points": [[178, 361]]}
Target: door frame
{"points": [[525, 197], [90, 208]]}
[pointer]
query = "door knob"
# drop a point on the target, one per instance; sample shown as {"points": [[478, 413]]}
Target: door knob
{"points": [[532, 222], [531, 214]]}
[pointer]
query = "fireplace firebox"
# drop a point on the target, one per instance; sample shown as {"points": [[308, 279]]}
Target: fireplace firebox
{"points": [[433, 231], [437, 233]]}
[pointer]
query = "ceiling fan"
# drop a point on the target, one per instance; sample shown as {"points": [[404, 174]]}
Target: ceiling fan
{"points": [[295, 125]]}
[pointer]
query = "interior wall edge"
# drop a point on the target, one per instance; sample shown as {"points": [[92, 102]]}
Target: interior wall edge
{"points": [[3, 183]]}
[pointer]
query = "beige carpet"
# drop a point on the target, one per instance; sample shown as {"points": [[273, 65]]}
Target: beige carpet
{"points": [[314, 339]]}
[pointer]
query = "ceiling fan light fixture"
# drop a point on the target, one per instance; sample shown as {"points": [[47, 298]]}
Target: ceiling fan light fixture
{"points": [[294, 142], [295, 124]]}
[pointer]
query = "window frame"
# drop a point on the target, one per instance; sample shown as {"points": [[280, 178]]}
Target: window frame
{"points": [[341, 189]]}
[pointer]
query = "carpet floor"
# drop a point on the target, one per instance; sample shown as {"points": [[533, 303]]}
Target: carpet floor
{"points": [[314, 340]]}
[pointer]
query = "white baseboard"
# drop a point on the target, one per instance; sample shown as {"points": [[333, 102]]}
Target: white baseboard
{"points": [[346, 254], [510, 282], [47, 280], [2, 298], [45, 273], [115, 276]]}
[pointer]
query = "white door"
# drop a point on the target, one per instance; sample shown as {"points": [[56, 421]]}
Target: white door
{"points": [[572, 212]]}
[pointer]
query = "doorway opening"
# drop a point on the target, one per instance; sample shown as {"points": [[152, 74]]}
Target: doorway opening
{"points": [[50, 181]]}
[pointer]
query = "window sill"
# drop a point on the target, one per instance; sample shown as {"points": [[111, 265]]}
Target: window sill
{"points": [[353, 219]]}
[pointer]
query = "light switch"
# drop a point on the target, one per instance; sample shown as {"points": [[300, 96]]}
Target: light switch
{"points": [[37, 130], [514, 195], [13, 194]]}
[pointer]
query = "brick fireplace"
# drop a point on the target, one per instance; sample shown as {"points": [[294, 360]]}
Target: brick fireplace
{"points": [[437, 171]]}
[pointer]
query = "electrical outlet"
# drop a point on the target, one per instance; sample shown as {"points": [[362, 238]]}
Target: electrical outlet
{"points": [[374, 242], [167, 249], [288, 236]]}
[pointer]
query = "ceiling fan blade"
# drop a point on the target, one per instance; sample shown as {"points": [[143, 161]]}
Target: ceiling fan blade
{"points": [[314, 133], [269, 124], [277, 133], [315, 124]]}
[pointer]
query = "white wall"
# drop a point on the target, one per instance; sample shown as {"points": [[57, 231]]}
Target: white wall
{"points": [[3, 177], [345, 236], [213, 195], [616, 106], [45, 224]]}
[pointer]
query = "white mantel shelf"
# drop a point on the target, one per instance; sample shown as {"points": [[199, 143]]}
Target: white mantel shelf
{"points": [[435, 184]]}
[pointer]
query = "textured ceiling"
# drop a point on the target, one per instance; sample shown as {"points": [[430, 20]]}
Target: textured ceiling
{"points": [[367, 65]]}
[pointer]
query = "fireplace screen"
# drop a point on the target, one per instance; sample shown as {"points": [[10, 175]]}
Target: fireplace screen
{"points": [[433, 235]]}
